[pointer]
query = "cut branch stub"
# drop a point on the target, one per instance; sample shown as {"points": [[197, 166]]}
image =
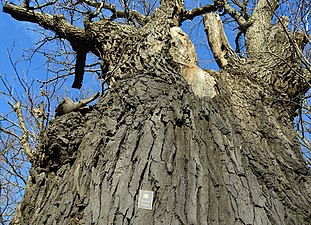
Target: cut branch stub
{"points": [[68, 105]]}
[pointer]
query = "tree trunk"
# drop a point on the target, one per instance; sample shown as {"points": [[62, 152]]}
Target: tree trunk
{"points": [[226, 155], [232, 159]]}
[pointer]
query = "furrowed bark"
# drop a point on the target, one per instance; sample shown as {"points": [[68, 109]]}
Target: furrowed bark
{"points": [[229, 160], [256, 36]]}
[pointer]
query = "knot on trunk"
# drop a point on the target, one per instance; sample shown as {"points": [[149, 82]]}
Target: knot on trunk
{"points": [[61, 141]]}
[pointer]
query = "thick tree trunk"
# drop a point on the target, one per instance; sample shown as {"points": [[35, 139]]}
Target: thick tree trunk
{"points": [[215, 148], [233, 159]]}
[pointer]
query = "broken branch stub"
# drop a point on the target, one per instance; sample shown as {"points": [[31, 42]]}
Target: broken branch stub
{"points": [[67, 105]]}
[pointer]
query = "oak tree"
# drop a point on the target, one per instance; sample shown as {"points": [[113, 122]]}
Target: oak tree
{"points": [[214, 147]]}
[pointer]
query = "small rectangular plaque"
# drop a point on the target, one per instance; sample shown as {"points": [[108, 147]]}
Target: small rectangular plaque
{"points": [[145, 199]]}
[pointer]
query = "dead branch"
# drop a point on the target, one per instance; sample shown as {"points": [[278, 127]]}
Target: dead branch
{"points": [[44, 5], [243, 7]]}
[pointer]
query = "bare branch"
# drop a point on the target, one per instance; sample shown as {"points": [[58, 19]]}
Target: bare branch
{"points": [[237, 16], [130, 14], [55, 78], [25, 132], [44, 5], [56, 23], [14, 170], [5, 118], [239, 4], [10, 133], [190, 14], [305, 141]]}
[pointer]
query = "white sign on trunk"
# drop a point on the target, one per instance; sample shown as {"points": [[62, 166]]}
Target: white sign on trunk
{"points": [[145, 199]]}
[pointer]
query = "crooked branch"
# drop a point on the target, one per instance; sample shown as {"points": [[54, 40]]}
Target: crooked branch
{"points": [[190, 14], [56, 23], [115, 13]]}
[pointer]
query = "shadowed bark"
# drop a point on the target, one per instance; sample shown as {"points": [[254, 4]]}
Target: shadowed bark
{"points": [[224, 152]]}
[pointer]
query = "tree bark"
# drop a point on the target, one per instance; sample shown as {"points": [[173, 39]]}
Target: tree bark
{"points": [[228, 155], [232, 160], [256, 36]]}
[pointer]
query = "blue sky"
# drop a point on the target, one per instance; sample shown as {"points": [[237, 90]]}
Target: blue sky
{"points": [[9, 34], [13, 33]]}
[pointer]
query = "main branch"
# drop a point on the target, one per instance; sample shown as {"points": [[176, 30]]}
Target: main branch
{"points": [[217, 39], [56, 23], [256, 34]]}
